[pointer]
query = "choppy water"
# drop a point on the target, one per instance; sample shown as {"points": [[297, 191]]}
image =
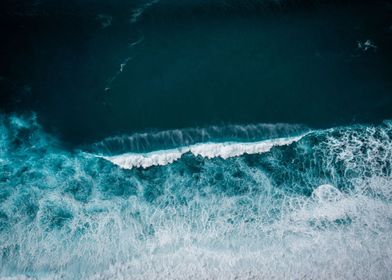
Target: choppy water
{"points": [[320, 207], [196, 139]]}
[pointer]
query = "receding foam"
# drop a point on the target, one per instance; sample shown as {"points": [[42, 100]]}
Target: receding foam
{"points": [[316, 207]]}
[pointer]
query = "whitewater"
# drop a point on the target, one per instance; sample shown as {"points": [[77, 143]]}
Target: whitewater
{"points": [[317, 204], [208, 150]]}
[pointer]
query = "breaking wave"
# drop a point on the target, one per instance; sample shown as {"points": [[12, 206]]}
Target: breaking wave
{"points": [[316, 206], [208, 150]]}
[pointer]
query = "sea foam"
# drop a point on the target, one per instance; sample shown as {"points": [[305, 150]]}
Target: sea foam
{"points": [[319, 207], [207, 150]]}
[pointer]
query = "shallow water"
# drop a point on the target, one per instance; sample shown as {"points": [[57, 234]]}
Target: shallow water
{"points": [[317, 207]]}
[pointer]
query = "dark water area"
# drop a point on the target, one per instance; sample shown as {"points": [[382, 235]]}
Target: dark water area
{"points": [[94, 69]]}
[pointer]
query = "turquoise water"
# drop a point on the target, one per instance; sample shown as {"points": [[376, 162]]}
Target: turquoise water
{"points": [[316, 208], [195, 140]]}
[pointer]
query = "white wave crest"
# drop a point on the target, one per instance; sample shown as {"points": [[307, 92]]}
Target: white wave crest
{"points": [[210, 150]]}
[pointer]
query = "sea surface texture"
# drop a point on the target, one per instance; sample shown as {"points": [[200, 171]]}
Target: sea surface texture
{"points": [[316, 206], [195, 139]]}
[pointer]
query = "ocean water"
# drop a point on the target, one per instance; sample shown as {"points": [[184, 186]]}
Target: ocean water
{"points": [[317, 205], [135, 66], [196, 139]]}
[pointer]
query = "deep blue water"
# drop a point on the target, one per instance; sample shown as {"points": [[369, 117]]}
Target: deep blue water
{"points": [[196, 139], [194, 63]]}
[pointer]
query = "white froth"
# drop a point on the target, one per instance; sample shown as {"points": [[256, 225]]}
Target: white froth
{"points": [[131, 160], [224, 150], [341, 230]]}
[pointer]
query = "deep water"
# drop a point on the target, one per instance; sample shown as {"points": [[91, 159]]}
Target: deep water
{"points": [[94, 69]]}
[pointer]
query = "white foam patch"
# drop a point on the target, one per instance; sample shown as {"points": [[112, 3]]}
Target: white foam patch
{"points": [[224, 150], [305, 243]]}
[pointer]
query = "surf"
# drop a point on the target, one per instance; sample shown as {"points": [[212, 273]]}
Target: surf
{"points": [[221, 210], [208, 150]]}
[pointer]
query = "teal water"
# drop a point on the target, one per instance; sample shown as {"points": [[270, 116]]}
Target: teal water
{"points": [[195, 139], [325, 199]]}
